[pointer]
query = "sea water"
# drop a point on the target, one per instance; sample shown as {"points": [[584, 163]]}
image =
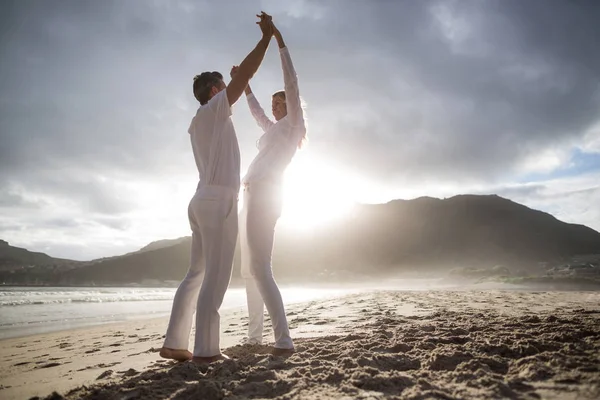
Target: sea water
{"points": [[30, 310]]}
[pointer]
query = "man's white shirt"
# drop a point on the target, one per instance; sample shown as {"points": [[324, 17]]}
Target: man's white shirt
{"points": [[215, 144]]}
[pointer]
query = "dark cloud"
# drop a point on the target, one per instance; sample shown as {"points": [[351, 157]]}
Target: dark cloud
{"points": [[520, 79], [95, 94]]}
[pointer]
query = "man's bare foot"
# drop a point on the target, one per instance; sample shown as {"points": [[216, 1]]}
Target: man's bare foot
{"points": [[282, 352], [175, 354], [208, 360]]}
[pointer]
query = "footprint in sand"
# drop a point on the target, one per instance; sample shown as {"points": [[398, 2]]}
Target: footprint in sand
{"points": [[102, 365], [129, 372], [151, 350], [49, 365], [105, 374]]}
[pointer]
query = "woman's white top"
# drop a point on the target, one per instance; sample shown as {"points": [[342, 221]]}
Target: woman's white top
{"points": [[278, 145]]}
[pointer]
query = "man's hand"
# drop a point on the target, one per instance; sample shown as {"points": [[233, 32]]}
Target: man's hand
{"points": [[265, 25], [240, 76], [233, 71]]}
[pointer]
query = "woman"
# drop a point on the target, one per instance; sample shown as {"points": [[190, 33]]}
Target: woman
{"points": [[263, 202]]}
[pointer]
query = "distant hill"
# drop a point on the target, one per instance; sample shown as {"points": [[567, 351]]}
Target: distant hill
{"points": [[15, 257], [161, 263], [424, 234], [22, 266], [156, 245], [161, 244]]}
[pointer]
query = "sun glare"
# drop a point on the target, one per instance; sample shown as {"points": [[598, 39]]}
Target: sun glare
{"points": [[315, 193]]}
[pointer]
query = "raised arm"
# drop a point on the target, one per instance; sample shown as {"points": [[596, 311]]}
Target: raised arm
{"points": [[290, 81], [257, 111], [250, 65]]}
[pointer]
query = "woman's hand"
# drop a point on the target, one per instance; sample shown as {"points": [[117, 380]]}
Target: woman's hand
{"points": [[233, 71], [278, 36]]}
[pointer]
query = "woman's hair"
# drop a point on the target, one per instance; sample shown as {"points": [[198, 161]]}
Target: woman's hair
{"points": [[304, 139]]}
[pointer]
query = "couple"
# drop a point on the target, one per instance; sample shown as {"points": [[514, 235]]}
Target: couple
{"points": [[213, 209]]}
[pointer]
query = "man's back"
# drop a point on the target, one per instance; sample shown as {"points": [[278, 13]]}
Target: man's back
{"points": [[215, 144]]}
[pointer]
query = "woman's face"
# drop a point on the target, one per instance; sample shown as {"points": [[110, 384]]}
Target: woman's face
{"points": [[278, 107]]}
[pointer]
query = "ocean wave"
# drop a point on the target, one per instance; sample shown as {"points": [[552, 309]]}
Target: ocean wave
{"points": [[79, 292], [42, 301]]}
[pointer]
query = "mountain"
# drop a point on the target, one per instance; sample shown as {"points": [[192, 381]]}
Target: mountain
{"points": [[21, 266], [15, 258], [161, 244], [156, 245], [424, 234]]}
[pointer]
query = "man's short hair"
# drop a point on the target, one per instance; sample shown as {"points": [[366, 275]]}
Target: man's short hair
{"points": [[203, 83]]}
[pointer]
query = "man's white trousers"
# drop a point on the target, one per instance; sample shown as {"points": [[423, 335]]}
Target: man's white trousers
{"points": [[214, 221]]}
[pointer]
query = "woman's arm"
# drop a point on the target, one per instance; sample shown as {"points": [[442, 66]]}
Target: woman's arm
{"points": [[255, 109], [290, 81]]}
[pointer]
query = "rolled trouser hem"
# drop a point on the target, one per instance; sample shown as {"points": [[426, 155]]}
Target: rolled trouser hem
{"points": [[175, 345], [284, 345]]}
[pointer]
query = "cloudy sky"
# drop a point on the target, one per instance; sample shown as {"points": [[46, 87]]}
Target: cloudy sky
{"points": [[403, 99]]}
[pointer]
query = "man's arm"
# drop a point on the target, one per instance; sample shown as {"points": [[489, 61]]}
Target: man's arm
{"points": [[250, 65]]}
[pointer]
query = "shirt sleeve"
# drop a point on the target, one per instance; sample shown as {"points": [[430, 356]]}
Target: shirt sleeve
{"points": [[292, 92], [258, 113]]}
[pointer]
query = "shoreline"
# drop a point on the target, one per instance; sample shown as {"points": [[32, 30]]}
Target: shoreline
{"points": [[449, 287], [448, 281]]}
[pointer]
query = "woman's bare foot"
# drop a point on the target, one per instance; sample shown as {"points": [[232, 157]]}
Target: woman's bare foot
{"points": [[208, 360], [282, 352], [175, 354]]}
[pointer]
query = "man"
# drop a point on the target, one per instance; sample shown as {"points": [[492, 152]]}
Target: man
{"points": [[212, 211]]}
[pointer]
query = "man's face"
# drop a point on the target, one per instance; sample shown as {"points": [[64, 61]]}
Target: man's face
{"points": [[278, 107], [218, 88]]}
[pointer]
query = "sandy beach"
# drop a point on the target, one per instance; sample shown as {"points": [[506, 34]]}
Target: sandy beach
{"points": [[391, 344]]}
